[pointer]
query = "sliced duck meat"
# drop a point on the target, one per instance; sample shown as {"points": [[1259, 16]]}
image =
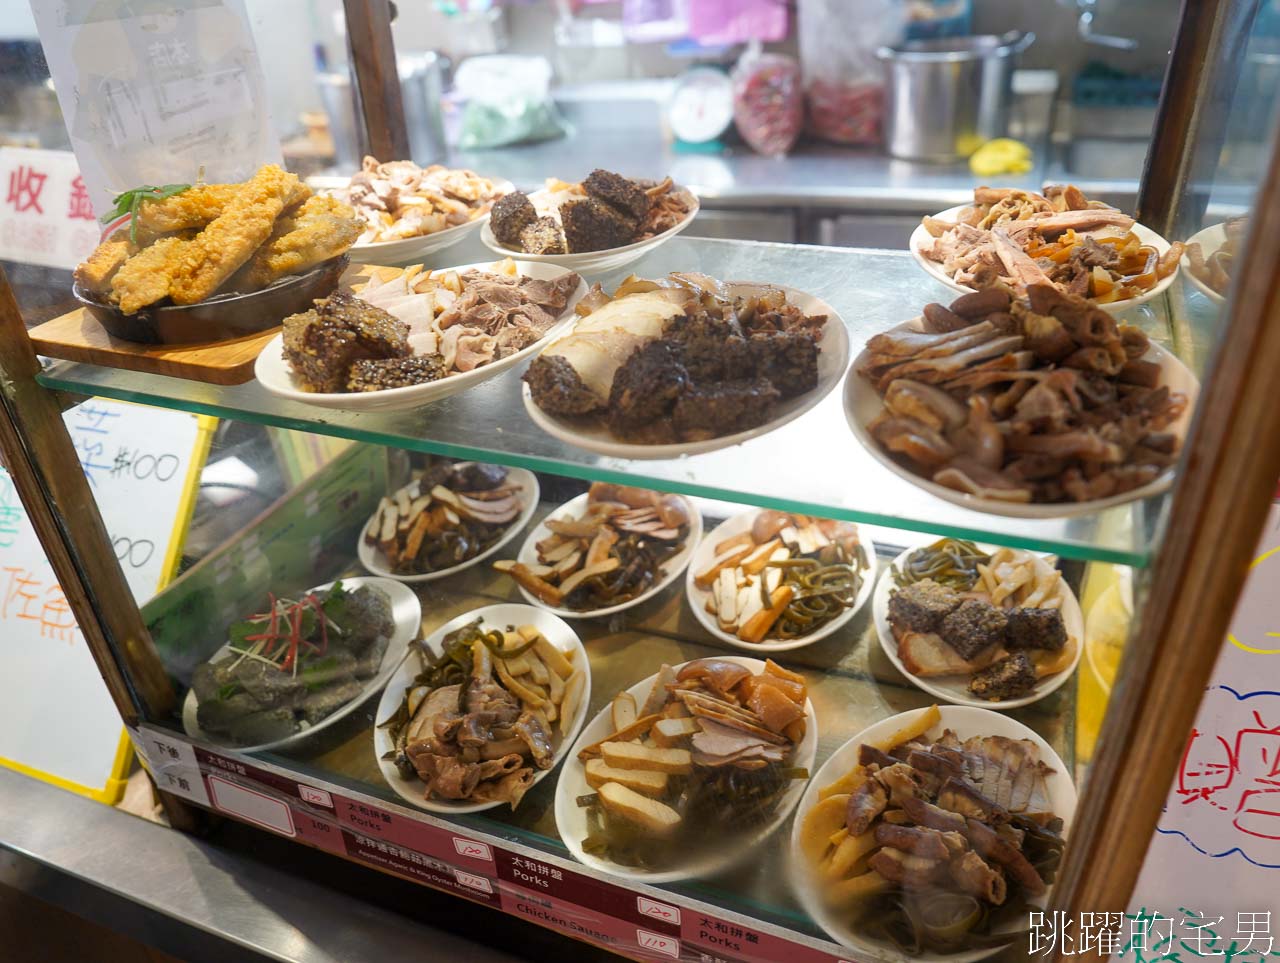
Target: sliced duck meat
{"points": [[961, 796], [924, 813], [909, 872], [991, 846], [1085, 220], [925, 843], [865, 803], [976, 877], [902, 782], [719, 740], [1022, 269]]}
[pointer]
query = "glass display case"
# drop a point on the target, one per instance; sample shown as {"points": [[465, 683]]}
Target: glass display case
{"points": [[302, 498]]}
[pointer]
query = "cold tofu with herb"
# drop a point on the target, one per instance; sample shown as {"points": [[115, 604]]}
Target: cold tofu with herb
{"points": [[294, 665]]}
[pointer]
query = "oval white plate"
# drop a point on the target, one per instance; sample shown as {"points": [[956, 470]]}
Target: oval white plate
{"points": [[594, 261], [1209, 239], [406, 610], [955, 688], [407, 249], [920, 238], [862, 404], [964, 721], [833, 356], [554, 630], [276, 375], [705, 554], [576, 507], [372, 558], [571, 819]]}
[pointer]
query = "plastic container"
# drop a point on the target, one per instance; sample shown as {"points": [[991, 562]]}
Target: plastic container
{"points": [[768, 102]]}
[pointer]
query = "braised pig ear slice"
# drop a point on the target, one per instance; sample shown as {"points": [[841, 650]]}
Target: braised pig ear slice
{"points": [[974, 479], [979, 438], [923, 344], [917, 441], [925, 403], [718, 675]]}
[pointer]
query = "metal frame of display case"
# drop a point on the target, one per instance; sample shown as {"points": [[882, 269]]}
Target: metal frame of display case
{"points": [[1224, 488]]}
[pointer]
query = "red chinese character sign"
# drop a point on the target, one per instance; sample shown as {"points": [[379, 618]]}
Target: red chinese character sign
{"points": [[140, 464], [45, 213], [1216, 851]]}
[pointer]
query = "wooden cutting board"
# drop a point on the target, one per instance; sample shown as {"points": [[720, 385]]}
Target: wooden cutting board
{"points": [[76, 336]]}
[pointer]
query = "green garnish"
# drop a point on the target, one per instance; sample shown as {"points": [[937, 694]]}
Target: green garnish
{"points": [[130, 201]]}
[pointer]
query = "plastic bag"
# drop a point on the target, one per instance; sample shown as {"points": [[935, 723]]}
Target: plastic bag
{"points": [[507, 100], [844, 83], [768, 101]]}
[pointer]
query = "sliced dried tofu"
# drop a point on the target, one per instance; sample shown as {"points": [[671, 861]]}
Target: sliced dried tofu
{"points": [[761, 557], [644, 781], [727, 596], [632, 755], [623, 710], [674, 733], [730, 558], [648, 814]]}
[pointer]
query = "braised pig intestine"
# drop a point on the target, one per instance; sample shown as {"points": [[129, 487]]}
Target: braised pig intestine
{"points": [[1045, 399], [470, 742]]}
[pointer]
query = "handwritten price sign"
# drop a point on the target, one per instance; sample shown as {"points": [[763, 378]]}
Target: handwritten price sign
{"points": [[137, 461]]}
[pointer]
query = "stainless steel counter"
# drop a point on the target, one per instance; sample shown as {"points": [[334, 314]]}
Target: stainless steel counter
{"points": [[818, 194], [816, 175], [244, 894]]}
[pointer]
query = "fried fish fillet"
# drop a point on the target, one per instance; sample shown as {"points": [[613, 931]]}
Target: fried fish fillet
{"points": [[204, 264], [195, 207], [323, 227], [95, 272], [146, 277]]}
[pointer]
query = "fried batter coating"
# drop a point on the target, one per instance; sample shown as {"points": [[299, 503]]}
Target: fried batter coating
{"points": [[94, 274], [203, 265], [145, 278], [323, 227], [195, 207]]}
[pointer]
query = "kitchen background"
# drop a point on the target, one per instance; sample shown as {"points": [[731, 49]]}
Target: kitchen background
{"points": [[620, 90]]}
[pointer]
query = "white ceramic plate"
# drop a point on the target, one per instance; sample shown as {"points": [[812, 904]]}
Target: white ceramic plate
{"points": [[705, 554], [920, 239], [571, 819], [408, 249], [1209, 239], [372, 558], [276, 375], [554, 630], [406, 610], [833, 356], [965, 722], [955, 688], [576, 507], [596, 262], [862, 404]]}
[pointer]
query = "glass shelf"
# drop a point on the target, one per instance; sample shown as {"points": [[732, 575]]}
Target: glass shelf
{"points": [[813, 465]]}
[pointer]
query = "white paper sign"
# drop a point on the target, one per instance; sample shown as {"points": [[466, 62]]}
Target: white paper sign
{"points": [[1210, 884], [56, 715], [46, 217], [151, 93]]}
